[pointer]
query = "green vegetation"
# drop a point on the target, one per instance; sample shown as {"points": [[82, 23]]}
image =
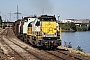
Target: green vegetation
{"points": [[89, 28], [79, 48], [68, 27], [72, 27]]}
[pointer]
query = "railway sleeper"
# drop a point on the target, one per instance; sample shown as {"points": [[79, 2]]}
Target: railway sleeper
{"points": [[72, 55], [78, 58], [57, 56], [63, 53]]}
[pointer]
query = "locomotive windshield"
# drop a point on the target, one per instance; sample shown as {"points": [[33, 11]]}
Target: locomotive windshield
{"points": [[38, 23], [47, 18]]}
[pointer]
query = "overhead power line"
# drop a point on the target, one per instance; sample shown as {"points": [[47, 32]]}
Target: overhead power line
{"points": [[17, 13]]}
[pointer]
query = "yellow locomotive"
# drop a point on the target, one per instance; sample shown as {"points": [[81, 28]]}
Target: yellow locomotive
{"points": [[44, 31]]}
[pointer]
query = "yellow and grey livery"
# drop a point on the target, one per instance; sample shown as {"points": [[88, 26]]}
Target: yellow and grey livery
{"points": [[44, 31]]}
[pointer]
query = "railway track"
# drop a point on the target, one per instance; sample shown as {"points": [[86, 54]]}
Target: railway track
{"points": [[56, 55], [14, 51], [62, 56], [40, 56], [3, 34], [2, 55], [30, 53], [27, 55], [76, 57], [65, 55]]}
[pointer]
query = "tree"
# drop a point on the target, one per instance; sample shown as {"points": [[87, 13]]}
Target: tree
{"points": [[89, 28], [73, 26]]}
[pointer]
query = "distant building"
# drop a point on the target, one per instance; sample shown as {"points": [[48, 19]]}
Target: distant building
{"points": [[7, 24], [77, 22], [65, 21], [81, 21], [86, 21]]}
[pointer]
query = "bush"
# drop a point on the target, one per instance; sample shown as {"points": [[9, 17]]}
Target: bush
{"points": [[73, 27], [79, 49]]}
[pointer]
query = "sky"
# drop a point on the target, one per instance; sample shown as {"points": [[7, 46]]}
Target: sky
{"points": [[67, 9]]}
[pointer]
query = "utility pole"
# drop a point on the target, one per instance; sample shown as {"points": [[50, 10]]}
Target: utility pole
{"points": [[10, 15], [17, 13]]}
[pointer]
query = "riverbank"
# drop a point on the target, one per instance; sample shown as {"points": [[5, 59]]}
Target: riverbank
{"points": [[77, 39], [72, 31], [84, 54], [68, 31]]}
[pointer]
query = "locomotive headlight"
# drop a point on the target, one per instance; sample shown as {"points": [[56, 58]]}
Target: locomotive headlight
{"points": [[55, 34], [44, 34]]}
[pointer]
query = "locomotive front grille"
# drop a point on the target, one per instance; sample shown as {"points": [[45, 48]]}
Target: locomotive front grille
{"points": [[49, 38], [49, 43]]}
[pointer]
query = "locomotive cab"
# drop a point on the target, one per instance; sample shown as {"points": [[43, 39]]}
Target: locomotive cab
{"points": [[50, 36]]}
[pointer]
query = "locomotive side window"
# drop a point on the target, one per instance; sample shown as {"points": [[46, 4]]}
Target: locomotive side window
{"points": [[29, 25], [26, 21], [37, 23]]}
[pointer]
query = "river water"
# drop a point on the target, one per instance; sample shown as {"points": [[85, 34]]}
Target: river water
{"points": [[77, 39]]}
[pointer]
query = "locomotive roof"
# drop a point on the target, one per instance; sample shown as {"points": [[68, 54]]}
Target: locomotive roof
{"points": [[25, 18], [46, 16]]}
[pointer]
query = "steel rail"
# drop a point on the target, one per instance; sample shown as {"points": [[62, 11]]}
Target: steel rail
{"points": [[56, 55], [26, 50], [70, 55], [10, 46]]}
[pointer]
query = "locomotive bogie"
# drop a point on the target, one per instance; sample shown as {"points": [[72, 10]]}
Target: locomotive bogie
{"points": [[49, 43]]}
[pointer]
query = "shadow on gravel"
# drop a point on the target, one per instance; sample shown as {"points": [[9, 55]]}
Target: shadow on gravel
{"points": [[61, 49], [56, 49], [46, 49]]}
